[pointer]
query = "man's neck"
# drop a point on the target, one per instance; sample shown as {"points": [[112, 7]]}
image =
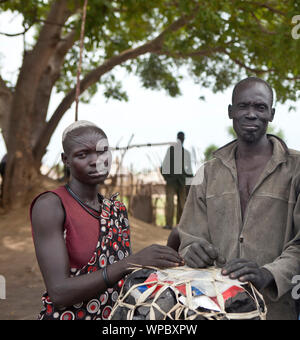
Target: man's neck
{"points": [[87, 193], [246, 150]]}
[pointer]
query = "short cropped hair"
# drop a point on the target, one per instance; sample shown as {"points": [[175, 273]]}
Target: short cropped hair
{"points": [[252, 80], [76, 129]]}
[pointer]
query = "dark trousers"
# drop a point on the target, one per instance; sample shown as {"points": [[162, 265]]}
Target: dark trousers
{"points": [[179, 191]]}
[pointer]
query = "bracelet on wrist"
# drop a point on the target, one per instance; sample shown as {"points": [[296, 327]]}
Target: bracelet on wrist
{"points": [[105, 277]]}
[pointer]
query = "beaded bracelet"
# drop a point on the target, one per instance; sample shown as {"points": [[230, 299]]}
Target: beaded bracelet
{"points": [[105, 277]]}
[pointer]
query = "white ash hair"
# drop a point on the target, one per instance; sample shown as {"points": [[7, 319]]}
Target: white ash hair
{"points": [[76, 125], [74, 131]]}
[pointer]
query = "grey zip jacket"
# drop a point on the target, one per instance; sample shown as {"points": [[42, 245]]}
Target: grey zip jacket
{"points": [[269, 234]]}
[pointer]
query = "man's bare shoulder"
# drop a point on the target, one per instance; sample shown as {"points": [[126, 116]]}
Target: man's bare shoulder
{"points": [[47, 200], [48, 206]]}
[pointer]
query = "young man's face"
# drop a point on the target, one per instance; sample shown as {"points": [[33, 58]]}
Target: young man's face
{"points": [[251, 111], [89, 158]]}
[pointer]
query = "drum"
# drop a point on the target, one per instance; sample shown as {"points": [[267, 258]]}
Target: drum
{"points": [[184, 293]]}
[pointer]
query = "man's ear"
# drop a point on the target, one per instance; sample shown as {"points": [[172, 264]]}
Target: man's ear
{"points": [[64, 159], [230, 111], [272, 115]]}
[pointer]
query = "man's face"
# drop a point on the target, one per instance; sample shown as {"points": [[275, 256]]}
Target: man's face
{"points": [[180, 136], [251, 111], [89, 159]]}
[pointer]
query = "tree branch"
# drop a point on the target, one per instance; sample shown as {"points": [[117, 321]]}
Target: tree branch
{"points": [[296, 78], [65, 44], [246, 67], [16, 34], [267, 5], [49, 36], [257, 71], [272, 9], [46, 84], [261, 26], [34, 64], [193, 54], [3, 87], [152, 46]]}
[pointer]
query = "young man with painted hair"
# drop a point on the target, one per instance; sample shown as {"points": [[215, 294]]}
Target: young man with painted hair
{"points": [[82, 239]]}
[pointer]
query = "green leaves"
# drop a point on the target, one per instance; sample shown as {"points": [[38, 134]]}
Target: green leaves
{"points": [[157, 73], [220, 41], [33, 11], [208, 152]]}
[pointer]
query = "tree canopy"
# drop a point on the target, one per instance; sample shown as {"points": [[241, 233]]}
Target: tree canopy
{"points": [[218, 41]]}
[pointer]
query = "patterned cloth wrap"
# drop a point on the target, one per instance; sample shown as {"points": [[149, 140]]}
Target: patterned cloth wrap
{"points": [[113, 245]]}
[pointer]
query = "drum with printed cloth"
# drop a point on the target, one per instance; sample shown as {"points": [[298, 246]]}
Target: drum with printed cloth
{"points": [[184, 293]]}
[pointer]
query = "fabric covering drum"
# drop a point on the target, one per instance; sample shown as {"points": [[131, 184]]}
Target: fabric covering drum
{"points": [[183, 293]]}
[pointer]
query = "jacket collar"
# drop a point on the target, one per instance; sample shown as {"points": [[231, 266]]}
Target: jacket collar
{"points": [[280, 153]]}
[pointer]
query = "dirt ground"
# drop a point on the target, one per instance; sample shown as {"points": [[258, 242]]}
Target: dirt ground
{"points": [[18, 265]]}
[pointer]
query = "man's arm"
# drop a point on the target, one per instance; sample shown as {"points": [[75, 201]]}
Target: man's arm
{"points": [[195, 246], [173, 239], [52, 255], [287, 265], [47, 223], [274, 278]]}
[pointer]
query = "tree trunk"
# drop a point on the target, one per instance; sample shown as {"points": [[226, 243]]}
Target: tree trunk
{"points": [[21, 168], [46, 84], [152, 46], [20, 173], [5, 105]]}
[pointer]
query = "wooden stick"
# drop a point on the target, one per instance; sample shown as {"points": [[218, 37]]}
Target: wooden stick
{"points": [[80, 59], [141, 145]]}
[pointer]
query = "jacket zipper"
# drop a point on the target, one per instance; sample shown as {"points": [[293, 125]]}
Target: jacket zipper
{"points": [[242, 223]]}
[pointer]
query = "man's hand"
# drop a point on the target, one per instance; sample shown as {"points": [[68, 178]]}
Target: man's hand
{"points": [[202, 254], [248, 271], [155, 255]]}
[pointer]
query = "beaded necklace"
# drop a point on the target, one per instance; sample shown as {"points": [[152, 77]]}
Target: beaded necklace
{"points": [[85, 206]]}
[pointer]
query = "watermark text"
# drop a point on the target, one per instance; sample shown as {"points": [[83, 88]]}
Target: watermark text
{"points": [[2, 288], [296, 29]]}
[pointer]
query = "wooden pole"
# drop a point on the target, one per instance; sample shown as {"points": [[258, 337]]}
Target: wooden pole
{"points": [[141, 145], [80, 59]]}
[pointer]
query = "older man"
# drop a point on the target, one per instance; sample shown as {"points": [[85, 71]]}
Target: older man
{"points": [[244, 206]]}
